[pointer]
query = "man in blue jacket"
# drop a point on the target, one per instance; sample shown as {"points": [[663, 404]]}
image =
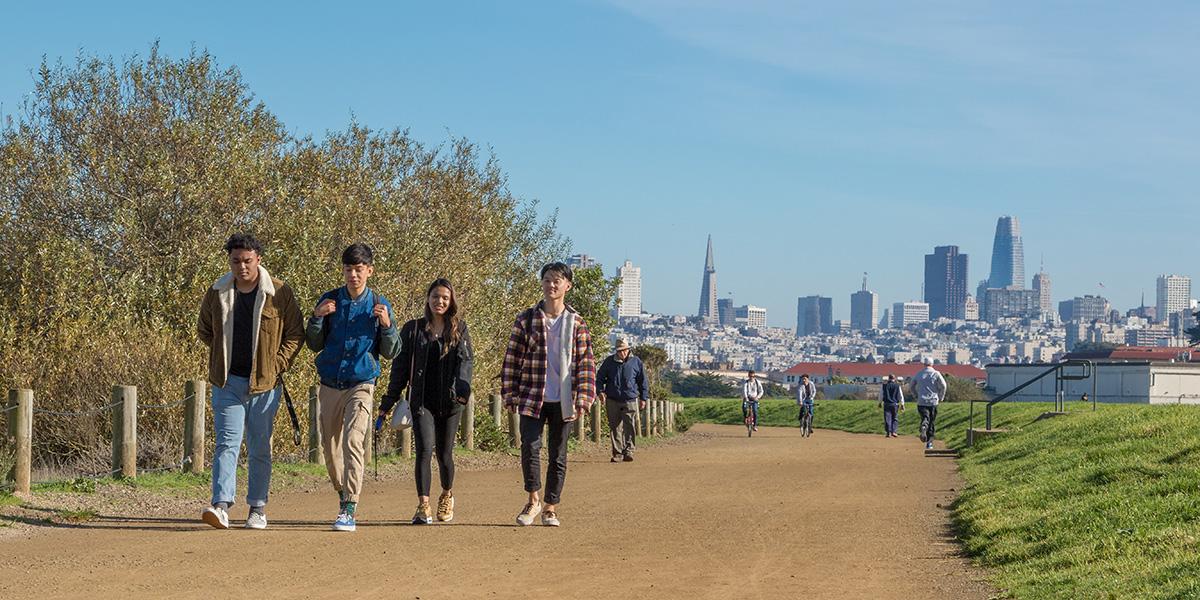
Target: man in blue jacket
{"points": [[351, 328], [622, 384]]}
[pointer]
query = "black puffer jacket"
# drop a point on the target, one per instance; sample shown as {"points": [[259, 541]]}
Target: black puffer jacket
{"points": [[454, 369]]}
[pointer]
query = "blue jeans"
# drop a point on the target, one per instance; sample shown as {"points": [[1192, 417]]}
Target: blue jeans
{"points": [[890, 412], [237, 413], [753, 406]]}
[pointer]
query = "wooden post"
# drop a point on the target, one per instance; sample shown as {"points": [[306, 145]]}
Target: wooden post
{"points": [[497, 410], [577, 429], [596, 429], [315, 455], [514, 429], [20, 427], [194, 398], [468, 423], [406, 443], [124, 426], [644, 414], [653, 417]]}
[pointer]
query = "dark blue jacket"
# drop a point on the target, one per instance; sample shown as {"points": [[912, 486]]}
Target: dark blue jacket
{"points": [[350, 341], [622, 380], [891, 394]]}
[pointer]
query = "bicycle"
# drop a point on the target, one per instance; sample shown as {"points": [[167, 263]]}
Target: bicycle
{"points": [[748, 408], [806, 417]]}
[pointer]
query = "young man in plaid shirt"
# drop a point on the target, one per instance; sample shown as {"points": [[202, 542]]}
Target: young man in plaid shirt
{"points": [[549, 377]]}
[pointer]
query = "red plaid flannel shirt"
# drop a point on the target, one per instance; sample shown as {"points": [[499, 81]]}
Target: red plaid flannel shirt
{"points": [[523, 374]]}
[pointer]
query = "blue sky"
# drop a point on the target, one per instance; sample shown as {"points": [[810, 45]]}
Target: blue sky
{"points": [[813, 141]]}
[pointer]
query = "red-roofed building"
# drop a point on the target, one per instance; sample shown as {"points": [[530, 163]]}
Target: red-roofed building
{"points": [[1147, 353], [869, 373]]}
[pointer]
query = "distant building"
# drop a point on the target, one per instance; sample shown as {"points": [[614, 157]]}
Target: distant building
{"points": [[814, 315], [751, 316], [1008, 257], [1174, 295], [725, 314], [1084, 309], [629, 291], [1041, 285], [708, 289], [885, 321], [909, 313], [1009, 303], [864, 308], [946, 283], [1147, 336], [971, 312], [581, 261]]}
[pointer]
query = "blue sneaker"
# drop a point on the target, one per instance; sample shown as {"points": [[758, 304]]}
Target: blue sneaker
{"points": [[344, 522]]}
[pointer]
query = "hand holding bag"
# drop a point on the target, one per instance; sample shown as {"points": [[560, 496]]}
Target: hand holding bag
{"points": [[402, 413]]}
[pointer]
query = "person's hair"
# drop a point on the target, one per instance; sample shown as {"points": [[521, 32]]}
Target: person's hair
{"points": [[450, 332], [891, 376], [750, 372], [243, 241], [804, 376], [560, 268], [358, 254]]}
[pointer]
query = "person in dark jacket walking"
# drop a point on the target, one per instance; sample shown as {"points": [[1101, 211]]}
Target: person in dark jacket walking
{"points": [[621, 382], [436, 362], [351, 328], [891, 399]]}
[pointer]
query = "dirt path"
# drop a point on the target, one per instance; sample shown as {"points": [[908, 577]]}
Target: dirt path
{"points": [[833, 516]]}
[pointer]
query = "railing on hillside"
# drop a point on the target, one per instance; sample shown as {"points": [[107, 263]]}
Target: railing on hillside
{"points": [[1059, 370]]}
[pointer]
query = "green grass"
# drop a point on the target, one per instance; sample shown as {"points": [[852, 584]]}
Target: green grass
{"points": [[1090, 505]]}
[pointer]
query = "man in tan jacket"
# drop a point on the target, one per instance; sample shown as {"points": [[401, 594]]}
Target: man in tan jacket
{"points": [[252, 326]]}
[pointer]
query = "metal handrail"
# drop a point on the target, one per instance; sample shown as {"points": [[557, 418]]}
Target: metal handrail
{"points": [[1054, 370]]}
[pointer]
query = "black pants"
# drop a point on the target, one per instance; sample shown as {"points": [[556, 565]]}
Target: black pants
{"points": [[928, 420], [435, 431], [531, 445]]}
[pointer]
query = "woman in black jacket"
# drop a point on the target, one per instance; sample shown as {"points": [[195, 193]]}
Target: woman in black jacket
{"points": [[436, 362]]}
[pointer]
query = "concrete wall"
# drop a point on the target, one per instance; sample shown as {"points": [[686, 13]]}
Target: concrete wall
{"points": [[1134, 383]]}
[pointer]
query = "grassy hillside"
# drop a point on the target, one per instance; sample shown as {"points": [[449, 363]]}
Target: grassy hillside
{"points": [[1090, 505]]}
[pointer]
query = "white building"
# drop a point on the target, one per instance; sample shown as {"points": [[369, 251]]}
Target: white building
{"points": [[581, 261], [1136, 382], [629, 291], [751, 316], [909, 313], [1174, 295]]}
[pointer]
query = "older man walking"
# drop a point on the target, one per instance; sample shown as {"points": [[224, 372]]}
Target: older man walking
{"points": [[930, 389], [622, 384]]}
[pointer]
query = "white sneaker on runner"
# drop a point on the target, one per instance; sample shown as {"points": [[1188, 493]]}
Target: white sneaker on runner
{"points": [[528, 514], [256, 520]]}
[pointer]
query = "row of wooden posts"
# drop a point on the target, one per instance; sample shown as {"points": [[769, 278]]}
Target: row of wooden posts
{"points": [[658, 419]]}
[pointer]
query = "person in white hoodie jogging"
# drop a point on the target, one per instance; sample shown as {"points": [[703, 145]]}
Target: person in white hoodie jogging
{"points": [[752, 390], [930, 389]]}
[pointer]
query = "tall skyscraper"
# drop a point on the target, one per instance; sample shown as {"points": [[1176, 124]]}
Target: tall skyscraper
{"points": [[1174, 295], [630, 290], [1041, 285], [1008, 256], [864, 308], [725, 314], [946, 283], [708, 289], [814, 314]]}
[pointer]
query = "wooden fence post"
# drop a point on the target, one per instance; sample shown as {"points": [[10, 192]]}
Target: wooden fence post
{"points": [[468, 423], [596, 422], [315, 455], [644, 415], [194, 398], [124, 426], [497, 410], [406, 443], [514, 429], [20, 427], [654, 410], [577, 428]]}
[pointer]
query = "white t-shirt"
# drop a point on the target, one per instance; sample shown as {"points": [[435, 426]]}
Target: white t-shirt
{"points": [[554, 359]]}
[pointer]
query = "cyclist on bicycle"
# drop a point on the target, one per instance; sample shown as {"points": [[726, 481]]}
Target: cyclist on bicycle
{"points": [[752, 390], [806, 393]]}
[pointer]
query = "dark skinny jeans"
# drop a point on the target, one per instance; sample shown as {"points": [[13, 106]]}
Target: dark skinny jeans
{"points": [[435, 431], [531, 445]]}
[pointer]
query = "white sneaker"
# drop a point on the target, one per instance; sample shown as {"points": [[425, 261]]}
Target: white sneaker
{"points": [[344, 522], [256, 520], [550, 519], [216, 516], [530, 512]]}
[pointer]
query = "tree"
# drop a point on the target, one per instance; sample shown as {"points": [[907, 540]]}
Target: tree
{"points": [[655, 361], [703, 385], [963, 390], [120, 181], [594, 296], [1082, 347]]}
